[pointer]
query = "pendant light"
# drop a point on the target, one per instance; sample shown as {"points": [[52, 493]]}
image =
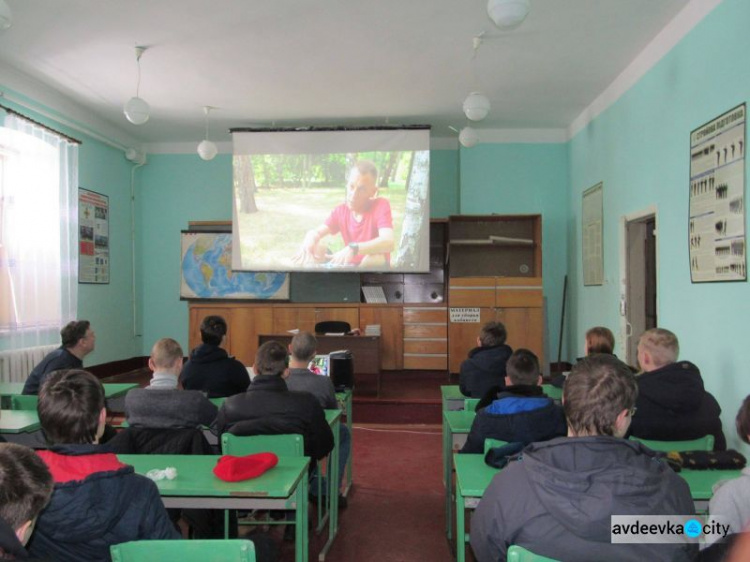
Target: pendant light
{"points": [[207, 149], [136, 109]]}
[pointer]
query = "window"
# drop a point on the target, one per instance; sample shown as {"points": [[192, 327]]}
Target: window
{"points": [[38, 222]]}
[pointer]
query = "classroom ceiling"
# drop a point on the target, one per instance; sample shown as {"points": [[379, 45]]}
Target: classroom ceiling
{"points": [[327, 62]]}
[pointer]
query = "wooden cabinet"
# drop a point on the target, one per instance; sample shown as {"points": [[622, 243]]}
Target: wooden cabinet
{"points": [[425, 338], [391, 332]]}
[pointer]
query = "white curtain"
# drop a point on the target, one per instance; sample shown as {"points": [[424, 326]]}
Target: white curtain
{"points": [[38, 234]]}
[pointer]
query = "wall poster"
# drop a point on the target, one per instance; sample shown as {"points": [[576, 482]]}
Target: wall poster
{"points": [[93, 237], [592, 245], [716, 222]]}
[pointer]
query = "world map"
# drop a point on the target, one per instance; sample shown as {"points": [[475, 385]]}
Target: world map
{"points": [[207, 272]]}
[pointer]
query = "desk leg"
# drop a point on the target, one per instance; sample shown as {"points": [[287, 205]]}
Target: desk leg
{"points": [[333, 492], [301, 538], [349, 423], [460, 526], [447, 444]]}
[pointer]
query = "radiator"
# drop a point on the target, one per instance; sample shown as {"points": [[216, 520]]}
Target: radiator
{"points": [[16, 364]]}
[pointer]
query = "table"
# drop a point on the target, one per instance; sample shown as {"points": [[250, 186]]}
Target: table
{"points": [[702, 482], [472, 478], [22, 427], [196, 487], [452, 397], [365, 349], [111, 391], [345, 403], [456, 426]]}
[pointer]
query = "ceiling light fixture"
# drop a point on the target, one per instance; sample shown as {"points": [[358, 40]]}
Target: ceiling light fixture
{"points": [[207, 149], [508, 13], [468, 137], [136, 109], [6, 16], [476, 106]]}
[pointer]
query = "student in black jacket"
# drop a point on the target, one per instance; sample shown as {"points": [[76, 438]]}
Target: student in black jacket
{"points": [[269, 408], [485, 366], [210, 368]]}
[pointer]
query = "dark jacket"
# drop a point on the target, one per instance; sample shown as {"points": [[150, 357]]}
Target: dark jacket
{"points": [[10, 547], [484, 369], [97, 502], [521, 414], [673, 405], [557, 501], [167, 408], [269, 408], [320, 386], [150, 441], [213, 371], [55, 360]]}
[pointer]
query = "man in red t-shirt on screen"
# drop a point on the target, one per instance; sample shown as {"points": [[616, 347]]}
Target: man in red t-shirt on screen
{"points": [[364, 222]]}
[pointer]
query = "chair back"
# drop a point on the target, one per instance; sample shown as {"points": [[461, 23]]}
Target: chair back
{"points": [[490, 443], [470, 404], [23, 402], [552, 391], [332, 326], [196, 550], [520, 554], [705, 443], [286, 445]]}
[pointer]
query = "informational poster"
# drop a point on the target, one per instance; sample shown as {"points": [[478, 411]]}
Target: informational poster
{"points": [[93, 237], [716, 224], [465, 315], [592, 218]]}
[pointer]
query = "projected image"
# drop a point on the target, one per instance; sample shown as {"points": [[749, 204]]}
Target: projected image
{"points": [[363, 211]]}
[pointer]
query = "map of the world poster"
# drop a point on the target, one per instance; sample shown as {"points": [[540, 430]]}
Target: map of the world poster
{"points": [[207, 272]]}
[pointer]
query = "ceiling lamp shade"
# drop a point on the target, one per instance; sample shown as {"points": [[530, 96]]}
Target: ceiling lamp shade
{"points": [[207, 149], [476, 106], [6, 16], [468, 137], [508, 13], [136, 109]]}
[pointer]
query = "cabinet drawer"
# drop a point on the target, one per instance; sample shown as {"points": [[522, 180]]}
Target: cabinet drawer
{"points": [[418, 315], [426, 362], [425, 331], [439, 346]]}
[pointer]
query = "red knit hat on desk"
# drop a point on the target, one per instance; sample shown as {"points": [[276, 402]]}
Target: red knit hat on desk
{"points": [[234, 469]]}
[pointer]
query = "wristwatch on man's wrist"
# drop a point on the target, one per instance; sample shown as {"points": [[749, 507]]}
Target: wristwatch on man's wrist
{"points": [[354, 247]]}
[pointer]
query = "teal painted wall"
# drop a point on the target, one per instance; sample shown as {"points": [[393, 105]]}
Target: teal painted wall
{"points": [[108, 307], [639, 148], [509, 179], [443, 183]]}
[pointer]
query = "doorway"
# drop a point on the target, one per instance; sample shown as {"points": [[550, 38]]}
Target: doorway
{"points": [[638, 297]]}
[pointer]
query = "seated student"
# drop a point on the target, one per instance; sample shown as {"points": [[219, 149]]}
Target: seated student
{"points": [[673, 404], [270, 408], [731, 501], [558, 497], [210, 368], [78, 340], [600, 340], [299, 378], [161, 404], [97, 500], [520, 412], [485, 366], [25, 488]]}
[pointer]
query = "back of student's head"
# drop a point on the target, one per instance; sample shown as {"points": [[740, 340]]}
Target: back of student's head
{"points": [[597, 389], [25, 484], [165, 352], [271, 359], [70, 403], [600, 340], [523, 367], [493, 334], [743, 421], [303, 346], [74, 331], [213, 329], [661, 344]]}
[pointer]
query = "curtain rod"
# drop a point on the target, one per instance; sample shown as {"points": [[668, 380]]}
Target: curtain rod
{"points": [[38, 124]]}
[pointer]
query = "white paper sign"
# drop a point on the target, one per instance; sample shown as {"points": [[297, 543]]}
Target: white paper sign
{"points": [[465, 315]]}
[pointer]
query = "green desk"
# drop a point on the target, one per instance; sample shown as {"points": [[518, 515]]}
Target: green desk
{"points": [[456, 426], [345, 403], [111, 390], [196, 487], [452, 397], [22, 427], [552, 391], [702, 482], [472, 478]]}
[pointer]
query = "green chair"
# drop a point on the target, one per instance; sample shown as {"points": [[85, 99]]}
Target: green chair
{"points": [[470, 404], [552, 391], [490, 443], [520, 554], [705, 443], [234, 550], [23, 402]]}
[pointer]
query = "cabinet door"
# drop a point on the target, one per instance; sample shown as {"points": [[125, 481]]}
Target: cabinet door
{"points": [[462, 337], [293, 318], [391, 333], [342, 314], [247, 324], [525, 329]]}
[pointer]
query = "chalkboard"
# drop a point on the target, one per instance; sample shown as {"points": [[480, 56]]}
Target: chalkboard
{"points": [[325, 287]]}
